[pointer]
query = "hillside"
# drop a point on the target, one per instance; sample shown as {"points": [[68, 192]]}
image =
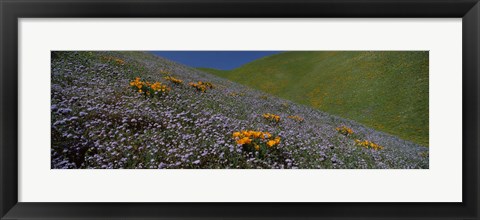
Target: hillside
{"points": [[387, 91], [103, 118]]}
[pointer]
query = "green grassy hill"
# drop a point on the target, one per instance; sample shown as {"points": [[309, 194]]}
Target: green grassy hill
{"points": [[387, 91]]}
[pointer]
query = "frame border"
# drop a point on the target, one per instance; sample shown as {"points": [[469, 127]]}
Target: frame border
{"points": [[10, 11]]}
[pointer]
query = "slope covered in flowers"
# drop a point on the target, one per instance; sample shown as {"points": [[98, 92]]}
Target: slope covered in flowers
{"points": [[102, 117]]}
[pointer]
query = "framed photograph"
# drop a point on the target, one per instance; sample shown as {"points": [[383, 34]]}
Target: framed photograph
{"points": [[247, 110]]}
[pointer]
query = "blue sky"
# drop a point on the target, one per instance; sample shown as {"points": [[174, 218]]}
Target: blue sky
{"points": [[223, 60]]}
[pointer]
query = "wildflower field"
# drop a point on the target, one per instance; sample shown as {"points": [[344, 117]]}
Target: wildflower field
{"points": [[112, 110]]}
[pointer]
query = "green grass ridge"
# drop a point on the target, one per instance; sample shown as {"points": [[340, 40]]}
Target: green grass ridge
{"points": [[386, 90]]}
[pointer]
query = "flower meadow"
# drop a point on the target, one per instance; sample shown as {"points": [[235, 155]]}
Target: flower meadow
{"points": [[134, 110]]}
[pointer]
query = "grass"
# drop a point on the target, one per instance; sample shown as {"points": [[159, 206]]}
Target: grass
{"points": [[386, 90]]}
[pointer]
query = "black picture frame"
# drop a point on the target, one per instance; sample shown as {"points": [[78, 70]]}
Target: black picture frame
{"points": [[11, 11]]}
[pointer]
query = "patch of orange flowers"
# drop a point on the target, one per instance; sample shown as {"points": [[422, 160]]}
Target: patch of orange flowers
{"points": [[255, 140], [201, 86], [368, 144], [164, 72], [344, 130], [148, 88], [117, 61], [236, 94], [296, 118], [173, 79], [271, 117]]}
